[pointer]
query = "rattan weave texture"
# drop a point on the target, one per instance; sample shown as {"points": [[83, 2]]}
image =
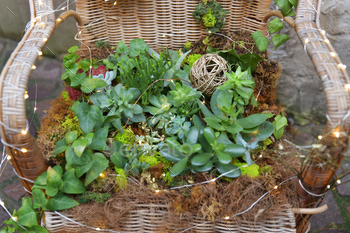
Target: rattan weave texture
{"points": [[151, 218]]}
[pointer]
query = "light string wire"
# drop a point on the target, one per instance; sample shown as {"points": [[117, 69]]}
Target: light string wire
{"points": [[15, 130]]}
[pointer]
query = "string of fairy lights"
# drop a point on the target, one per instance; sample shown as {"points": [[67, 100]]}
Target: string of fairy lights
{"points": [[45, 11]]}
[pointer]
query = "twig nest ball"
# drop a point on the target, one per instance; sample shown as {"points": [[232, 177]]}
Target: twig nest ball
{"points": [[208, 72]]}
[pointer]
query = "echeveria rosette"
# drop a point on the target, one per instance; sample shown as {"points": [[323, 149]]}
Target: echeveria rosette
{"points": [[242, 84], [178, 126], [184, 94], [108, 77]]}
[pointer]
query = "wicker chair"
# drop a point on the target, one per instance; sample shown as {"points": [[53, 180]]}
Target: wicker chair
{"points": [[170, 23]]}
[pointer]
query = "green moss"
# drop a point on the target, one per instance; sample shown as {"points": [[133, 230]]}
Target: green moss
{"points": [[188, 45], [208, 19], [193, 58], [160, 158], [251, 171], [168, 179], [65, 95], [153, 161], [265, 169], [128, 137], [96, 197], [122, 181], [70, 124]]}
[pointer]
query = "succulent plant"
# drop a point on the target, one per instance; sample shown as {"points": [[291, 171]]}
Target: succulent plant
{"points": [[108, 78]]}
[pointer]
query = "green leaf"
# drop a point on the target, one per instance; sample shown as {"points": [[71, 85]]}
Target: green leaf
{"points": [[88, 137], [39, 199], [178, 167], [26, 215], [294, 3], [224, 99], [71, 136], [41, 180], [279, 39], [252, 121], [260, 41], [85, 64], [278, 133], [275, 25], [138, 46], [234, 128], [249, 60], [88, 116], [212, 122], [213, 102], [76, 80], [171, 154], [61, 202], [286, 7], [192, 135], [173, 143], [201, 159], [90, 84], [71, 184], [209, 135], [61, 146], [58, 169], [235, 150], [73, 49], [117, 158], [205, 110], [223, 168], [265, 130], [54, 182], [198, 122], [223, 157], [121, 47], [100, 163], [280, 122], [99, 139], [207, 167]]}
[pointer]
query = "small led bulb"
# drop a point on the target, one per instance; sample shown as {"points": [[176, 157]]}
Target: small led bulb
{"points": [[320, 137], [26, 96], [44, 39], [40, 53], [337, 134], [227, 217], [276, 187], [213, 180], [306, 40], [341, 66], [115, 3], [2, 203], [323, 32], [338, 181], [260, 156], [326, 41], [33, 67], [24, 132], [59, 19], [90, 67], [347, 86], [9, 157], [157, 191], [24, 150], [35, 108], [328, 186], [333, 54]]}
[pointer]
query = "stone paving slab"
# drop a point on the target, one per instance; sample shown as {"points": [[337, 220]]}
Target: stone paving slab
{"points": [[329, 217]]}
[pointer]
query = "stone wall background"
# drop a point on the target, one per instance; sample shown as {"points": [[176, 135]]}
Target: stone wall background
{"points": [[300, 89]]}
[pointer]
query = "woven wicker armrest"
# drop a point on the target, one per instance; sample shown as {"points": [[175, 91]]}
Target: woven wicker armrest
{"points": [[26, 156]]}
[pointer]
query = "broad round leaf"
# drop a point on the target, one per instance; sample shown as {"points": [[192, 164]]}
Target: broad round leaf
{"points": [[207, 167], [54, 182], [178, 167], [252, 121], [235, 150], [232, 170], [223, 157], [209, 135], [201, 159]]}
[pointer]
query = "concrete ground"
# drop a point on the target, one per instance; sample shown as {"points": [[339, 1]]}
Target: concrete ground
{"points": [[46, 78]]}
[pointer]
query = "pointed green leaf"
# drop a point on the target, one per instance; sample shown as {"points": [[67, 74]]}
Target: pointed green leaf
{"points": [[213, 122], [88, 116], [71, 184], [209, 135], [99, 139], [279, 39], [213, 102], [26, 215], [79, 146], [54, 182], [275, 25], [260, 41], [61, 146], [39, 199], [100, 163], [61, 202], [192, 135], [41, 180], [90, 84]]}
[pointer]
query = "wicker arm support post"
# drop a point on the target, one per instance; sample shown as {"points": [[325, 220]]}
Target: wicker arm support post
{"points": [[332, 72], [25, 155]]}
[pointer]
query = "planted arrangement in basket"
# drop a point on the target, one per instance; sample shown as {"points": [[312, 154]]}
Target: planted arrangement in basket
{"points": [[136, 115]]}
